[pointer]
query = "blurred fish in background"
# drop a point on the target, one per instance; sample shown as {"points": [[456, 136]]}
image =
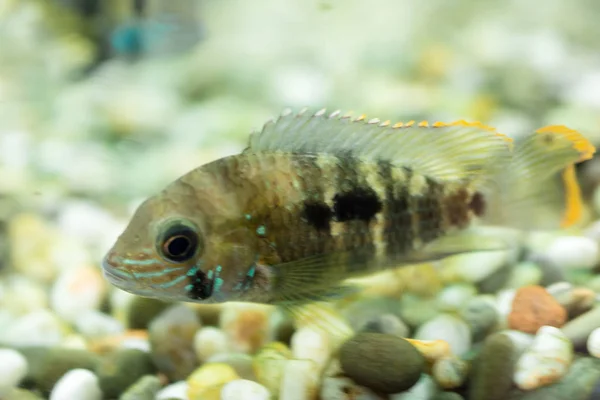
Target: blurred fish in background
{"points": [[133, 29]]}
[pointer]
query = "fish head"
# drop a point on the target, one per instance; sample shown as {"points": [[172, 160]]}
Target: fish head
{"points": [[184, 245]]}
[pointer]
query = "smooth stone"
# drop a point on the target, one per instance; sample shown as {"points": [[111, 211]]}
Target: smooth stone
{"points": [[243, 389], [310, 344], [13, 368], [383, 363], [140, 311], [341, 388], [121, 369], [145, 388], [416, 311], [424, 389], [449, 328], [79, 384], [593, 343], [300, 380], [580, 328], [77, 291], [22, 296], [450, 372], [22, 394], [386, 323], [524, 274], [246, 325], [493, 369], [95, 324], [532, 308], [481, 315], [580, 383], [47, 365], [209, 341], [364, 310], [269, 363], [473, 267], [40, 328], [447, 396], [207, 376], [454, 296], [177, 390], [240, 362], [504, 302], [571, 252], [171, 336]]}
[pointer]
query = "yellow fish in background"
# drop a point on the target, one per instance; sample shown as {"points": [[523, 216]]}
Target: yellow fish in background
{"points": [[316, 199]]}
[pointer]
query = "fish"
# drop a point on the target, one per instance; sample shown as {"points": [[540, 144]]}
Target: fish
{"points": [[317, 198]]}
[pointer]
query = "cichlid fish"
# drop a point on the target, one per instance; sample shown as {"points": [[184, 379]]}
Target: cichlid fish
{"points": [[315, 199]]}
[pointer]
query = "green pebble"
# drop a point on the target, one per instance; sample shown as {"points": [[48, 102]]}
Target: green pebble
{"points": [[143, 310], [447, 396], [415, 311], [480, 315], [48, 365], [144, 389], [383, 363], [22, 394], [492, 371], [121, 368]]}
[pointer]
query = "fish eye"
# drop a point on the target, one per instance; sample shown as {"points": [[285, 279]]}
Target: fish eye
{"points": [[179, 243]]}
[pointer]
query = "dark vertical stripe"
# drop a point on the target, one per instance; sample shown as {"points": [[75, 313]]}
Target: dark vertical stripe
{"points": [[430, 211], [398, 222]]}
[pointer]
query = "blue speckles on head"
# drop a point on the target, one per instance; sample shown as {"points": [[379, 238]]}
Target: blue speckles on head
{"points": [[210, 274], [218, 284], [251, 272], [189, 287], [192, 271], [261, 230], [248, 217], [219, 269]]}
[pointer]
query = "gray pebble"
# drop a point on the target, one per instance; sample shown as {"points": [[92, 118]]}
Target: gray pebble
{"points": [[145, 388], [143, 310], [579, 329], [447, 396], [122, 368], [171, 337], [386, 323], [416, 311], [361, 312], [481, 316], [22, 394], [383, 363], [48, 365]]}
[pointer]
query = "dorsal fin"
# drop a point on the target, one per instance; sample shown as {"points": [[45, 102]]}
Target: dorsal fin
{"points": [[456, 150]]}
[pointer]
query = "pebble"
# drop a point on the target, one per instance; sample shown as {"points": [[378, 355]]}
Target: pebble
{"points": [[576, 300], [593, 343], [432, 350], [546, 361], [384, 363], [493, 369], [77, 291], [269, 363], [422, 279], [573, 252], [121, 369], [473, 267], [95, 324], [145, 388], [481, 315], [453, 297], [579, 329], [39, 328], [366, 309], [416, 311], [450, 372], [246, 325], [425, 389], [207, 376], [177, 390], [449, 328], [447, 396], [140, 311], [532, 308], [23, 394], [341, 388], [240, 362], [79, 384], [47, 365], [310, 344], [13, 368], [209, 341], [386, 323], [524, 274], [171, 336], [300, 381], [21, 295], [243, 389]]}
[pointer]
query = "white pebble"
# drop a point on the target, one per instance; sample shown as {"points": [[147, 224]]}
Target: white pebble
{"points": [[78, 384], [451, 329], [13, 368], [39, 328], [546, 361], [177, 390], [300, 380], [76, 291], [209, 341], [573, 252], [474, 267], [310, 344], [424, 389], [95, 324], [593, 343], [504, 300], [453, 297], [243, 389]]}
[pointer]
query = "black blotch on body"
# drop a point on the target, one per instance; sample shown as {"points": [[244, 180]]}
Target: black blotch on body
{"points": [[318, 214], [357, 204], [430, 212], [202, 287], [477, 204], [398, 231]]}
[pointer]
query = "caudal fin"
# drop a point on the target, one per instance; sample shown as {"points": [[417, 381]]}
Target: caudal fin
{"points": [[539, 180]]}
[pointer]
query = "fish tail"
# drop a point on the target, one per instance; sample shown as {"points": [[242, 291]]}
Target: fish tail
{"points": [[539, 180]]}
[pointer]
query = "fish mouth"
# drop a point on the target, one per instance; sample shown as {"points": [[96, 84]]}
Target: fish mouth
{"points": [[115, 276]]}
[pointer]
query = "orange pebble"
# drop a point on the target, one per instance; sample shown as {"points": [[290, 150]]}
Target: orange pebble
{"points": [[532, 308]]}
